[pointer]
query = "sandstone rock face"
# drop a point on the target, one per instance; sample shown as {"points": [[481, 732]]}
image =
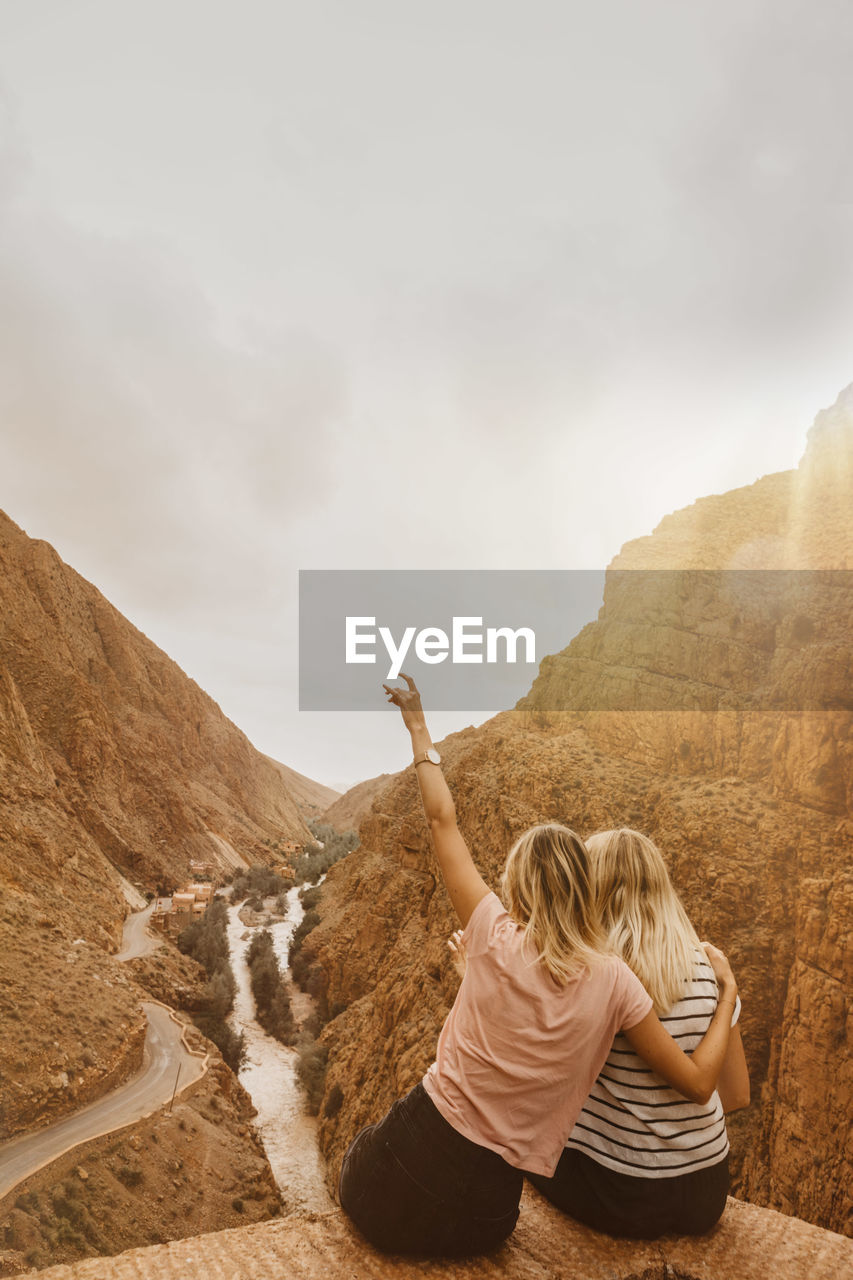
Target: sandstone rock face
{"points": [[346, 813], [310, 797], [748, 798], [111, 760], [143, 760], [544, 1246]]}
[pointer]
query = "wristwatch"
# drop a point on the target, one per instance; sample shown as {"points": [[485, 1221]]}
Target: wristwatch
{"points": [[430, 755]]}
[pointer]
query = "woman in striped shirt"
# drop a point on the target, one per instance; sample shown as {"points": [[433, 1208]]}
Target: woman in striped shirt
{"points": [[641, 1160]]}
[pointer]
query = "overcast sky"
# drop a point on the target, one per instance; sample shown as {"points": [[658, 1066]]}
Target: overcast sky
{"points": [[384, 285]]}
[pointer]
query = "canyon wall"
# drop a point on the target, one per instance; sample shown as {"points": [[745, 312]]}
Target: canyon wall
{"points": [[113, 763], [346, 813], [719, 723], [312, 798]]}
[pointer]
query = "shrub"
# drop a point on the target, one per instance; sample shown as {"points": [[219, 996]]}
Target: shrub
{"points": [[229, 1043], [308, 922], [311, 1069], [310, 897], [329, 848], [306, 972], [206, 941], [217, 995], [258, 882], [271, 999]]}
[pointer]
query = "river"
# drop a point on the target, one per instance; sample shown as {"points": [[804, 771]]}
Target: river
{"points": [[268, 1075]]}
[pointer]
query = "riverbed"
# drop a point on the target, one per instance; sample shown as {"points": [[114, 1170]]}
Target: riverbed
{"points": [[268, 1074]]}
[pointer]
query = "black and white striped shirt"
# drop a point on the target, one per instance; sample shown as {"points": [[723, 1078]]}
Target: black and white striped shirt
{"points": [[636, 1123]]}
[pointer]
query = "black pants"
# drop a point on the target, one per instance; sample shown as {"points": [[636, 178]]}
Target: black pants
{"points": [[645, 1208], [412, 1184]]}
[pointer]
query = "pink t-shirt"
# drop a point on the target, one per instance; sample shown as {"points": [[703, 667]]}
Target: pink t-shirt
{"points": [[518, 1053]]}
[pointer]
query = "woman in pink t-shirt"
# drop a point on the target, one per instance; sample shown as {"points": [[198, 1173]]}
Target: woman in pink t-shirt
{"points": [[441, 1173]]}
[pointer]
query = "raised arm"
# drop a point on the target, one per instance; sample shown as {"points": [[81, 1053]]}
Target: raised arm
{"points": [[695, 1076], [464, 883]]}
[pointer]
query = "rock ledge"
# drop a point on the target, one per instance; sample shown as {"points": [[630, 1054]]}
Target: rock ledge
{"points": [[748, 1242]]}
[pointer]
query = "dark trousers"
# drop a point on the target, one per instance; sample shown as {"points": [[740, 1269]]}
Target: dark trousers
{"points": [[645, 1208], [412, 1184]]}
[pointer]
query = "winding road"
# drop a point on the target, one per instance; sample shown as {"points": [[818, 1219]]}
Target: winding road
{"points": [[162, 1057], [136, 939]]}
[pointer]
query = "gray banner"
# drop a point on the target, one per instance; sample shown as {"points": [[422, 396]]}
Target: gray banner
{"points": [[481, 640]]}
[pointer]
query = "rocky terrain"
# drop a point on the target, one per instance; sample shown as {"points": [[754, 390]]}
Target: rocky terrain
{"points": [[144, 765], [72, 1027], [349, 809], [546, 1245], [196, 1169], [311, 798], [111, 760], [115, 767], [748, 796]]}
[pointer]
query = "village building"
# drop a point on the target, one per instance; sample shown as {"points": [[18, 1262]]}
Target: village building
{"points": [[170, 915], [202, 892]]}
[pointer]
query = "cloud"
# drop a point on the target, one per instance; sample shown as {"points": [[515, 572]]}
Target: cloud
{"points": [[138, 433], [473, 285]]}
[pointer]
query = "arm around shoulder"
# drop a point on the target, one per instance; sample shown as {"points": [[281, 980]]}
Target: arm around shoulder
{"points": [[733, 1084], [695, 1076]]}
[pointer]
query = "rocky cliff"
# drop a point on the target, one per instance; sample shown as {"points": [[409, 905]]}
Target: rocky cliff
{"points": [[545, 1245], [347, 812], [312, 798], [747, 793], [113, 763]]}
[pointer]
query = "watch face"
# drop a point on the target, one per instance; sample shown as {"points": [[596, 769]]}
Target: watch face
{"points": [[433, 756]]}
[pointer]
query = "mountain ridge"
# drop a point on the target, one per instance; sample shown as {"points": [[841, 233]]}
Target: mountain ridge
{"points": [[113, 763]]}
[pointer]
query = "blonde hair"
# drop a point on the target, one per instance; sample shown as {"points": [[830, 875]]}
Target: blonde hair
{"points": [[547, 888], [642, 914]]}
